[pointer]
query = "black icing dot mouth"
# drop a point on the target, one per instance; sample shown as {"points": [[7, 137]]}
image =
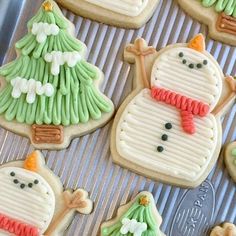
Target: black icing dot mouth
{"points": [[190, 64], [23, 185]]}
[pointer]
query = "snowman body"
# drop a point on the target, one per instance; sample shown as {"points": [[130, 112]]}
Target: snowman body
{"points": [[150, 134], [25, 199], [125, 7]]}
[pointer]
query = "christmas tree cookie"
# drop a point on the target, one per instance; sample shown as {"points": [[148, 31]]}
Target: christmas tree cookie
{"points": [[122, 13], [227, 229], [169, 127], [138, 218], [50, 93], [219, 15], [230, 159], [33, 202]]}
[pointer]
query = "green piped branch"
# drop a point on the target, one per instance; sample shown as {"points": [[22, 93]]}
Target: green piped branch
{"points": [[140, 211], [226, 6]]}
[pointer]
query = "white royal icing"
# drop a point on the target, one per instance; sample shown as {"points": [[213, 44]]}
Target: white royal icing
{"points": [[34, 206], [31, 88], [58, 59], [203, 84], [126, 7], [43, 30], [142, 124], [132, 226]]}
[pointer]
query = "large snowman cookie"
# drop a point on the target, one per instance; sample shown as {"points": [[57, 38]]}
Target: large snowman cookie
{"points": [[230, 159], [33, 202], [169, 127], [122, 13], [219, 15]]}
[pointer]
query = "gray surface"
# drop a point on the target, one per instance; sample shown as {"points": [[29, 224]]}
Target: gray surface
{"points": [[87, 162]]}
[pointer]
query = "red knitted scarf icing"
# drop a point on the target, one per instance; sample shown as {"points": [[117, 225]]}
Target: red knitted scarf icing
{"points": [[16, 227], [187, 106]]}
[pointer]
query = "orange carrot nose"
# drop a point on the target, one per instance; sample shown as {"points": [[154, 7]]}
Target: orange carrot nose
{"points": [[197, 43], [31, 162]]}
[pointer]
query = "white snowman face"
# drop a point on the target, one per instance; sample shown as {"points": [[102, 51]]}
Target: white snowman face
{"points": [[26, 197], [189, 73]]}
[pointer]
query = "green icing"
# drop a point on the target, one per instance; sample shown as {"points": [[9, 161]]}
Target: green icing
{"points": [[75, 100], [226, 6], [141, 214]]}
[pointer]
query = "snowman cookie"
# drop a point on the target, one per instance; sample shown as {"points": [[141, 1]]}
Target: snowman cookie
{"points": [[138, 217], [228, 229], [230, 159], [122, 13], [219, 15], [169, 127], [33, 202]]}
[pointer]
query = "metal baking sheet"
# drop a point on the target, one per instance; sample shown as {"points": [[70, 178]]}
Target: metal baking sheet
{"points": [[87, 162]]}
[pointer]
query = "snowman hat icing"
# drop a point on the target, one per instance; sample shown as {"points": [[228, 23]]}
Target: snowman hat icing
{"points": [[197, 43], [30, 162]]}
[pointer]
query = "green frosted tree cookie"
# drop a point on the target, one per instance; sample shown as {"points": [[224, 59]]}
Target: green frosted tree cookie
{"points": [[137, 218], [51, 84]]}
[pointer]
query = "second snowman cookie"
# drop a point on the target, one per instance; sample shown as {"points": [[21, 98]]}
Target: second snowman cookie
{"points": [[169, 127]]}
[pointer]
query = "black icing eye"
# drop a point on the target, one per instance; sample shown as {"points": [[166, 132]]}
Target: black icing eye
{"points": [[22, 186], [205, 62], [191, 66], [184, 61], [36, 181], [15, 181], [30, 185], [12, 173], [168, 126], [181, 54]]}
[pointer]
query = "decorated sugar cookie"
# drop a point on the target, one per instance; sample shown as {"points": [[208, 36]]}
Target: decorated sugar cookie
{"points": [[122, 13], [227, 229], [50, 93], [33, 202], [138, 218], [219, 15], [169, 127], [230, 159]]}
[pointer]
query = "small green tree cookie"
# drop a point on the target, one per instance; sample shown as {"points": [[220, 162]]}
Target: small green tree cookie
{"points": [[137, 218]]}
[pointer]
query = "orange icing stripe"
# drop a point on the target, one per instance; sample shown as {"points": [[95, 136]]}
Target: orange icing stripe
{"points": [[188, 106], [16, 227]]}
